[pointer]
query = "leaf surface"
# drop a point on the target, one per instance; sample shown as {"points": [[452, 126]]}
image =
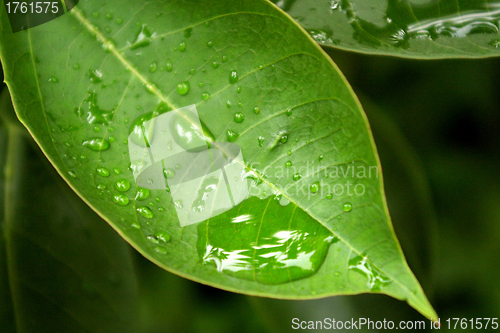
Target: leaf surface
{"points": [[82, 83], [412, 29]]}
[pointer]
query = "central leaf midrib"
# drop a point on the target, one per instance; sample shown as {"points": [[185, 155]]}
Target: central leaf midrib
{"points": [[80, 17]]}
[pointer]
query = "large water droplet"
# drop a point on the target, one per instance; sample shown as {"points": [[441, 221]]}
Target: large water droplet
{"points": [[120, 199], [233, 77], [183, 88], [97, 144], [122, 185], [145, 212]]}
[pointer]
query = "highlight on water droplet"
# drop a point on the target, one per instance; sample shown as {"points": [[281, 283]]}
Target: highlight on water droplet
{"points": [[120, 199], [347, 207], [96, 144], [145, 212], [183, 88], [239, 117], [233, 76], [122, 185], [103, 172]]}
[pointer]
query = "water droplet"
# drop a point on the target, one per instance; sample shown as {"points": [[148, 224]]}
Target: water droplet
{"points": [[337, 274], [376, 280], [233, 77], [210, 44], [160, 250], [238, 90], [289, 152], [347, 207], [192, 71], [97, 144], [153, 66], [284, 138], [116, 171], [261, 141], [72, 174], [183, 88], [188, 32], [215, 64], [201, 84], [321, 157], [205, 96], [101, 187], [122, 185], [495, 43], [288, 164], [136, 225], [169, 66], [120, 199], [329, 196], [314, 187], [289, 112], [228, 104], [97, 129], [142, 38], [256, 110], [111, 139], [118, 21], [141, 194], [178, 204], [145, 212], [240, 105], [168, 173], [231, 135], [103, 172], [296, 177], [163, 236], [76, 66], [53, 79], [177, 166], [109, 16], [224, 58], [95, 76], [182, 47], [239, 117]]}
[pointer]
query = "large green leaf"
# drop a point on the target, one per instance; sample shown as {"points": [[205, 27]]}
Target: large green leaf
{"points": [[406, 28], [83, 81], [67, 270]]}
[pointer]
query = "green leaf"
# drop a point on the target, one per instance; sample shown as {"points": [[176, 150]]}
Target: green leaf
{"points": [[67, 270], [83, 82], [414, 29]]}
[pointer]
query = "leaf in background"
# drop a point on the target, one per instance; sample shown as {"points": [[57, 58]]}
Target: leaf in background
{"points": [[415, 29], [68, 271], [82, 82]]}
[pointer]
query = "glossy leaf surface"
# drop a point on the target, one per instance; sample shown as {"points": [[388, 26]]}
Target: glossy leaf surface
{"points": [[315, 221], [415, 29]]}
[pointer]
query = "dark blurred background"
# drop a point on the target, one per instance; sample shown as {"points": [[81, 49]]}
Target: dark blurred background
{"points": [[437, 129]]}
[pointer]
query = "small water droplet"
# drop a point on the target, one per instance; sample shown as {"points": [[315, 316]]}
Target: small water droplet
{"points": [[178, 204], [53, 79], [103, 172], [210, 44], [118, 21], [177, 166], [228, 104], [192, 71], [201, 84], [72, 174], [296, 177], [321, 157], [160, 250], [120, 199], [96, 144], [168, 173], [240, 105], [337, 274], [215, 64], [329, 196], [224, 58], [289, 152], [256, 110], [169, 66], [284, 138], [261, 141], [188, 32], [101, 187], [314, 187], [495, 43], [163, 236], [205, 96], [76, 66], [239, 117], [288, 164], [141, 194], [97, 129], [145, 212], [136, 225], [109, 16], [289, 112], [122, 185], [95, 14], [95, 76], [182, 47], [111, 139], [183, 88], [238, 90], [347, 207], [233, 76], [231, 135], [153, 66]]}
